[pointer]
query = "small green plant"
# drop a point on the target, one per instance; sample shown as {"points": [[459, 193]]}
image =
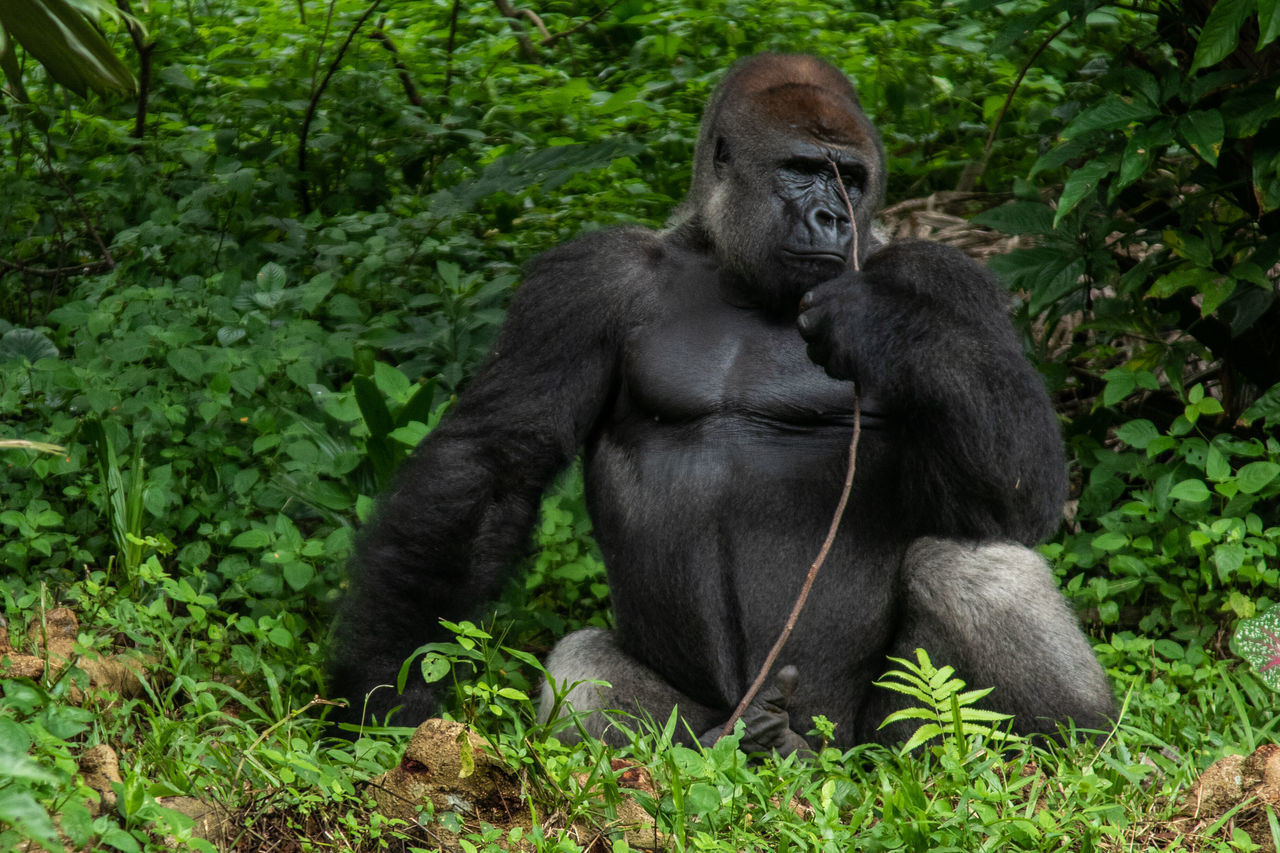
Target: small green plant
{"points": [[946, 708], [487, 675]]}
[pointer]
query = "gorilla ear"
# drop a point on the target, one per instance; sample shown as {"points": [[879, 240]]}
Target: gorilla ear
{"points": [[720, 160]]}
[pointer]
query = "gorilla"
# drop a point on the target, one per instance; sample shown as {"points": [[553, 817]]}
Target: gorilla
{"points": [[709, 373]]}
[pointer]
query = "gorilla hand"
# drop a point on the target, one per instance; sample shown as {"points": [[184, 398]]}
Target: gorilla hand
{"points": [[766, 721], [828, 321]]}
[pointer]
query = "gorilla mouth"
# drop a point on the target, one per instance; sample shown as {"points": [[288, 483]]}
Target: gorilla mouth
{"points": [[814, 257]]}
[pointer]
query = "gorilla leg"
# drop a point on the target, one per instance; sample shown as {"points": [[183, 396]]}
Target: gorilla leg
{"points": [[592, 654], [994, 613]]}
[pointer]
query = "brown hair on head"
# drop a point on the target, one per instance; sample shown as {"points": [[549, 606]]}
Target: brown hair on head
{"points": [[793, 91], [812, 112]]}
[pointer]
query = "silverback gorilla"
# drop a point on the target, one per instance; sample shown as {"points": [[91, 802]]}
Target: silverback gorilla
{"points": [[708, 370]]}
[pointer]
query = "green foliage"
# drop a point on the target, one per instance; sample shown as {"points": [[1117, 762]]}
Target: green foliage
{"points": [[943, 704], [487, 676], [61, 35], [234, 303], [1177, 528], [1164, 230]]}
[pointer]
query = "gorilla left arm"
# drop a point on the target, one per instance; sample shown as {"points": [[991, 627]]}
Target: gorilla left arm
{"points": [[442, 538], [925, 332]]}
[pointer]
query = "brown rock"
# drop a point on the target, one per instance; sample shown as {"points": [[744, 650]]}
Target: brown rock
{"points": [[213, 822], [1218, 788], [100, 766], [452, 768], [55, 636]]}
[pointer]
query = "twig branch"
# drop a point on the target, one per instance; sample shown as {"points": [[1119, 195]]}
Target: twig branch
{"points": [[84, 217], [144, 49], [522, 38], [58, 272], [554, 37], [448, 56], [316, 93], [406, 81], [1008, 100], [537, 22]]}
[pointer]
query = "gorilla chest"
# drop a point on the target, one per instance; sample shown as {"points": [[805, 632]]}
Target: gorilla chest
{"points": [[731, 372]]}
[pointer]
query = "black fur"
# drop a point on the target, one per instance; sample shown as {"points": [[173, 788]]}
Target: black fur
{"points": [[715, 409]]}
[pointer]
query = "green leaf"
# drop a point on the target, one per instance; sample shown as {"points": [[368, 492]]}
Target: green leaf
{"points": [[1137, 434], [1181, 278], [252, 539], [1268, 22], [1228, 559], [372, 407], [1019, 217], [1257, 640], [187, 363], [1113, 113], [1215, 466], [702, 798], [297, 575], [67, 45], [923, 735], [1139, 153], [1221, 32], [1082, 183], [18, 808], [1217, 291], [1110, 541], [1256, 476], [435, 666], [1203, 130], [26, 344], [1266, 407], [1120, 384], [1194, 491], [271, 277]]}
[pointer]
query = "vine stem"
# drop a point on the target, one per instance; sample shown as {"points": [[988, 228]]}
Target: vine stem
{"points": [[816, 565]]}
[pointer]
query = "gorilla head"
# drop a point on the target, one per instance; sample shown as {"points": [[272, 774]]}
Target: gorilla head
{"points": [[764, 190]]}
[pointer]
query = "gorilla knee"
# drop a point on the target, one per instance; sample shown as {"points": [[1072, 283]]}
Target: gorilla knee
{"points": [[994, 612], [574, 665]]}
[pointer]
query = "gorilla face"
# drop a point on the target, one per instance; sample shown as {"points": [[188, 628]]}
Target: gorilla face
{"points": [[765, 188]]}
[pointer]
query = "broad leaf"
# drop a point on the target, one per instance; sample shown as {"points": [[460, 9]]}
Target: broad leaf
{"points": [[1221, 32], [1268, 22], [1257, 640], [28, 344], [66, 44], [1190, 490], [1114, 113], [1082, 183], [1256, 476], [1203, 130], [1020, 217]]}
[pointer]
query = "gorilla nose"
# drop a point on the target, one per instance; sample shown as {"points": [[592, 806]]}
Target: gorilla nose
{"points": [[828, 229]]}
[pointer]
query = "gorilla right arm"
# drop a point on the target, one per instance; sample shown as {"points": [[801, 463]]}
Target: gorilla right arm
{"points": [[462, 505]]}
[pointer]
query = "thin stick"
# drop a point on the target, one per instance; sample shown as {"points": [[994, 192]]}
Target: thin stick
{"points": [[803, 597], [809, 578]]}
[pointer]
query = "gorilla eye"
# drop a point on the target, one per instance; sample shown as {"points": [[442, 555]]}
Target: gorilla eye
{"points": [[854, 177]]}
